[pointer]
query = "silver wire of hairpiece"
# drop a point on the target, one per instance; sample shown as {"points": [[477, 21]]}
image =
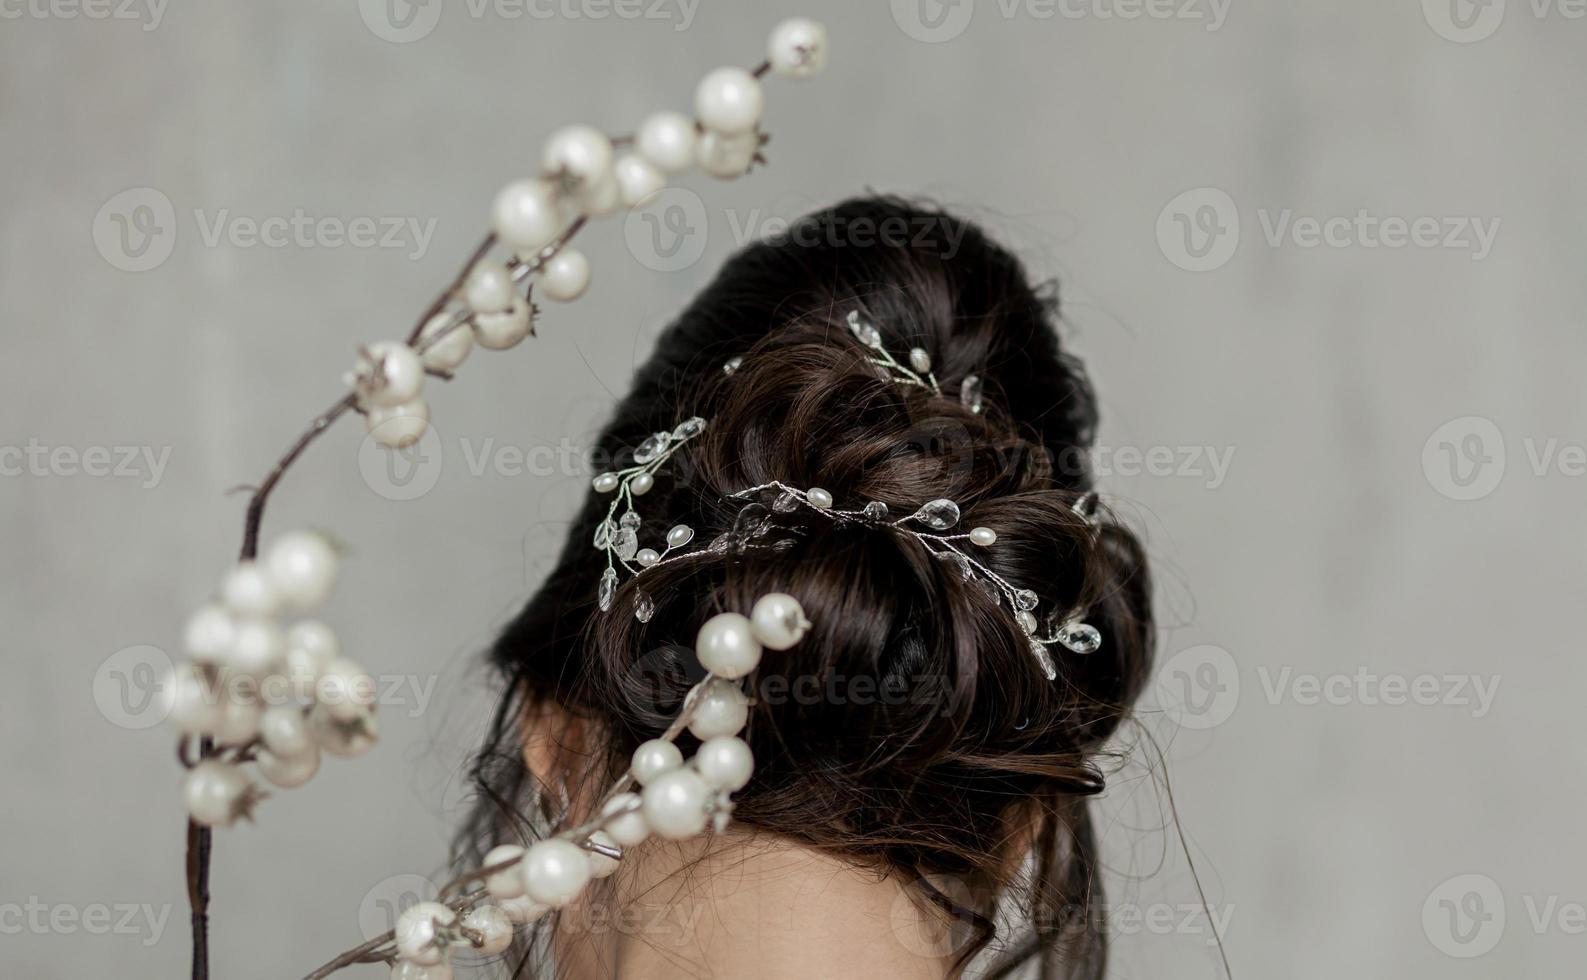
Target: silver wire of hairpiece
{"points": [[917, 374], [940, 515], [618, 534]]}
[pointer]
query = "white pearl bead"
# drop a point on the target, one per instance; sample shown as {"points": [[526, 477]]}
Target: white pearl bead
{"points": [[798, 48], [448, 353], [507, 883], [525, 215], [248, 591], [209, 633], [728, 100], [503, 330], [400, 426], [565, 277], [418, 932], [489, 288], [601, 197], [653, 758], [212, 791], [675, 804], [726, 156], [919, 360], [641, 484], [720, 709], [602, 866], [289, 772], [581, 152], [983, 536], [725, 763], [494, 927], [302, 568], [726, 645], [638, 180], [630, 828], [408, 970], [666, 139], [239, 718], [345, 689], [647, 557], [679, 535], [606, 482], [190, 703], [779, 621], [555, 871], [341, 738], [819, 498], [315, 639], [397, 373], [286, 731], [258, 646], [523, 909]]}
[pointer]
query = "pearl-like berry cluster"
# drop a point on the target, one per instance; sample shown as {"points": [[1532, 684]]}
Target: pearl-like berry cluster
{"points": [[583, 174], [675, 800], [266, 693]]}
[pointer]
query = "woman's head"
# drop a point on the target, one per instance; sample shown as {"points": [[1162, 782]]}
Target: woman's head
{"points": [[911, 731]]}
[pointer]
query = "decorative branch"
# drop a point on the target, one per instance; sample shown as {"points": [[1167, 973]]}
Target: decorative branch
{"points": [[238, 638]]}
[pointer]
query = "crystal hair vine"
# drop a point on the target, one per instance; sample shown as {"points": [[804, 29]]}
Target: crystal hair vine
{"points": [[617, 535], [274, 695]]}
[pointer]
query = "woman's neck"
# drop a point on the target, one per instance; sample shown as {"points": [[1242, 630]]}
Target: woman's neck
{"points": [[742, 906]]}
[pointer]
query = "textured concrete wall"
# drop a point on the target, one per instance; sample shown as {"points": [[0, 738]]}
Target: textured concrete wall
{"points": [[1338, 613]]}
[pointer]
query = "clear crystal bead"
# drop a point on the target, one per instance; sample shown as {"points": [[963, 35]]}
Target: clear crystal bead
{"points": [[989, 589], [652, 447], [920, 360], [960, 564], [626, 543], [1079, 637], [608, 589], [732, 366], [1044, 659], [644, 607], [630, 520], [970, 393], [863, 331], [603, 534], [938, 515], [876, 511], [752, 521], [689, 428], [1025, 599], [786, 503]]}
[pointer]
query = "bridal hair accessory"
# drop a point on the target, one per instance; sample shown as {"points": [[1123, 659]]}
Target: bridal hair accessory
{"points": [[660, 795], [618, 534], [273, 695]]}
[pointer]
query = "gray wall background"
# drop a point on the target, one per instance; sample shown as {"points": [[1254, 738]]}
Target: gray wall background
{"points": [[1400, 511]]}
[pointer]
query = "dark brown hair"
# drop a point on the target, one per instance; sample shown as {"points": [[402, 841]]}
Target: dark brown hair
{"points": [[934, 741]]}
